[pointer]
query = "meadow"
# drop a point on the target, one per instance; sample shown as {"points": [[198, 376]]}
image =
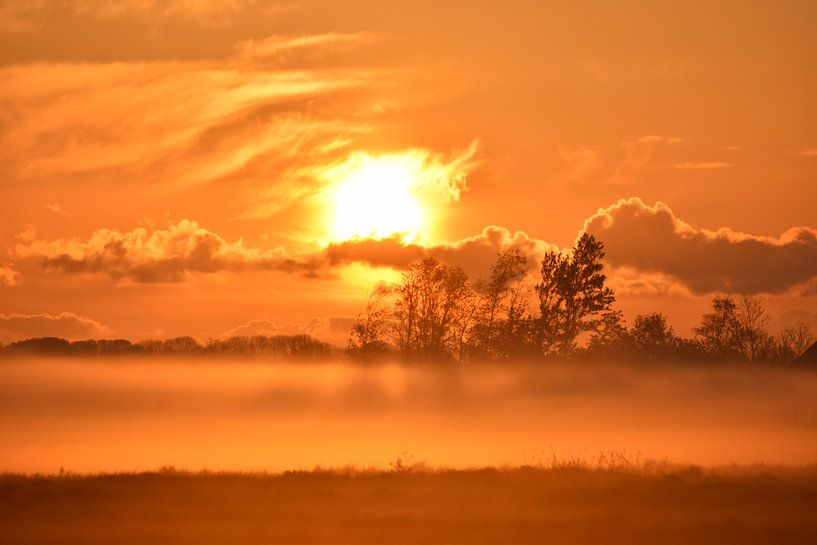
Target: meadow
{"points": [[566, 504]]}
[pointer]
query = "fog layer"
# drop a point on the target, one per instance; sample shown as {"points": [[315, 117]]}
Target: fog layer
{"points": [[89, 416]]}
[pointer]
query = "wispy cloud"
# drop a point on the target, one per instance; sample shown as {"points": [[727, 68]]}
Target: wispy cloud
{"points": [[28, 15], [57, 209], [282, 48], [703, 165], [658, 139], [622, 164]]}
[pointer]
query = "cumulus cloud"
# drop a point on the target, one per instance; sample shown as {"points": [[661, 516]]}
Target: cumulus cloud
{"points": [[474, 254], [161, 255], [651, 239], [68, 325], [182, 249], [8, 275], [649, 250]]}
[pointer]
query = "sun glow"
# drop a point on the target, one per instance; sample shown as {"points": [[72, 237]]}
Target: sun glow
{"points": [[375, 201]]}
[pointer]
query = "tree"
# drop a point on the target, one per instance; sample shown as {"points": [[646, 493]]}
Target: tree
{"points": [[794, 339], [719, 330], [430, 310], [736, 329], [498, 328], [367, 338], [572, 294], [652, 336], [611, 338], [755, 342]]}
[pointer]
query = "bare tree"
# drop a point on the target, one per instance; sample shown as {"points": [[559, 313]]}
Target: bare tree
{"points": [[736, 329], [795, 339], [368, 336], [572, 294], [754, 340]]}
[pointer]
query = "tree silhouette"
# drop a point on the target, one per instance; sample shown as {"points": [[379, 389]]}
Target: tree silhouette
{"points": [[430, 310], [719, 330], [367, 339], [652, 336], [572, 295], [611, 337], [499, 329], [794, 340]]}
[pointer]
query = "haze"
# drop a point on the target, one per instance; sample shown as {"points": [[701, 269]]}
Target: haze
{"points": [[86, 416]]}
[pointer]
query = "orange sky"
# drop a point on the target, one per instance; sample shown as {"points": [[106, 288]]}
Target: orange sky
{"points": [[169, 168]]}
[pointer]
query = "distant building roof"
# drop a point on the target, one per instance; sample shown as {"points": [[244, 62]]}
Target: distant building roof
{"points": [[809, 356]]}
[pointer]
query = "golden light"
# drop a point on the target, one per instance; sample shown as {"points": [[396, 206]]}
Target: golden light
{"points": [[374, 200]]}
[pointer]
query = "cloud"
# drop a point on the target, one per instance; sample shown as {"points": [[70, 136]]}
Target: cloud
{"points": [[30, 15], [170, 127], [619, 165], [68, 325], [175, 253], [651, 239], [649, 250], [701, 165], [658, 139], [474, 254], [159, 256], [8, 275], [808, 152], [307, 47], [19, 17], [204, 12], [58, 209], [187, 122]]}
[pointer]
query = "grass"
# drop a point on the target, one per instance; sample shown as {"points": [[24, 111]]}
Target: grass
{"points": [[569, 501]]}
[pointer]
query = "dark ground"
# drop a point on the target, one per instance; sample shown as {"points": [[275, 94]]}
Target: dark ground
{"points": [[566, 505]]}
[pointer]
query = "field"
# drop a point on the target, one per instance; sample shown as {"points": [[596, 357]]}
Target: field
{"points": [[527, 505], [733, 454]]}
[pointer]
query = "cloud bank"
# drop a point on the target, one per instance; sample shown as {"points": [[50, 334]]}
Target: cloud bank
{"points": [[649, 249], [163, 255], [652, 239]]}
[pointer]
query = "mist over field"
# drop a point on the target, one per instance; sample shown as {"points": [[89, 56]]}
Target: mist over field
{"points": [[130, 415]]}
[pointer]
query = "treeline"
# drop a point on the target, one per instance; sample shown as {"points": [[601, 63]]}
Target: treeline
{"points": [[437, 313], [278, 347]]}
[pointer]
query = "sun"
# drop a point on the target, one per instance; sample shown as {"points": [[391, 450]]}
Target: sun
{"points": [[374, 200]]}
